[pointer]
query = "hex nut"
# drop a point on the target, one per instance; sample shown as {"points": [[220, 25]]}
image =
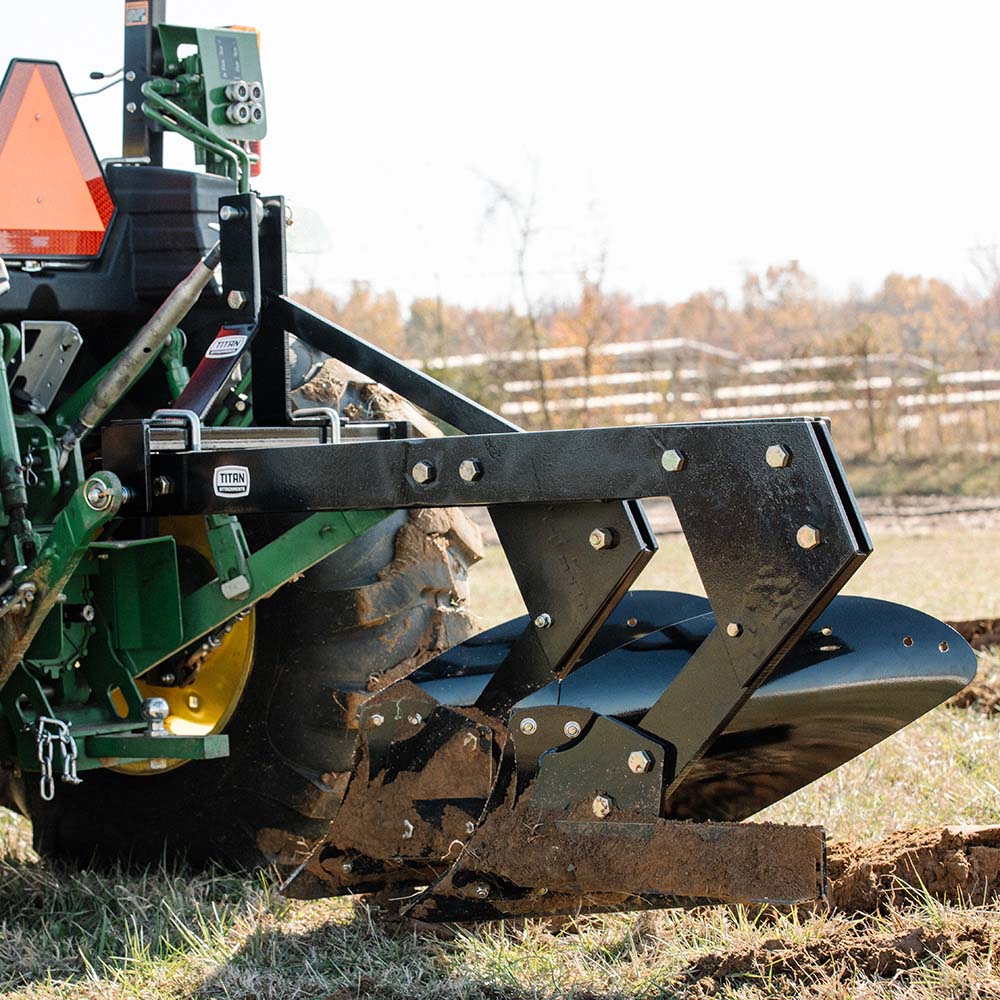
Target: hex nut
{"points": [[377, 719], [544, 620], [602, 538], [673, 460], [482, 890], [236, 299], [528, 726], [471, 470], [601, 806], [778, 456], [163, 486], [808, 536], [640, 762], [572, 729], [734, 630], [423, 473]]}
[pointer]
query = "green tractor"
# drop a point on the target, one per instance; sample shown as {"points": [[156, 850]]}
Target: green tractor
{"points": [[234, 618]]}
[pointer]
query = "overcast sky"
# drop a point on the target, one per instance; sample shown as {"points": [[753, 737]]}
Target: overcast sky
{"points": [[691, 141]]}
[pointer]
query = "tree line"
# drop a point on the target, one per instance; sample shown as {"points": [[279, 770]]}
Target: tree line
{"points": [[901, 362]]}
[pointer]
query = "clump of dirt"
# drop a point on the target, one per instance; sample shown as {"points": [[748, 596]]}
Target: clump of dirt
{"points": [[327, 385], [846, 952], [983, 694], [980, 633], [950, 863]]}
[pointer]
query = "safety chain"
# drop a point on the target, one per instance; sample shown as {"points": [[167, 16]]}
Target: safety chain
{"points": [[50, 732]]}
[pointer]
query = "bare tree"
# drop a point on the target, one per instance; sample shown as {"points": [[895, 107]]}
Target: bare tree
{"points": [[522, 215], [986, 320], [593, 322]]}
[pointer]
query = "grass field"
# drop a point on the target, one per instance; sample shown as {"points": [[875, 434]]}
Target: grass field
{"points": [[172, 933]]}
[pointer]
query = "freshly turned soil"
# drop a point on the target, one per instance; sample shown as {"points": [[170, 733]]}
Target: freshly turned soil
{"points": [[844, 953], [949, 863], [980, 633]]}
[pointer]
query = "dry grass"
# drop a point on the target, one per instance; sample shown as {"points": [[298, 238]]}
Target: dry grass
{"points": [[172, 933], [948, 573]]}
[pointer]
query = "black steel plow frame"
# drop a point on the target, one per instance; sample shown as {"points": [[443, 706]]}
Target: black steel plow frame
{"points": [[773, 540]]}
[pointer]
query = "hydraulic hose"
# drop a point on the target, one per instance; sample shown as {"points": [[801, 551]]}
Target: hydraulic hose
{"points": [[133, 359]]}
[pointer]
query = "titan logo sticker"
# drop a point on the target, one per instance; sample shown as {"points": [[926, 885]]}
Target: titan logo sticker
{"points": [[231, 481], [226, 347]]}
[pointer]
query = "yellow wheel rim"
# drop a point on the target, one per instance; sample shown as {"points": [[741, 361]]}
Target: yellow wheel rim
{"points": [[208, 702]]}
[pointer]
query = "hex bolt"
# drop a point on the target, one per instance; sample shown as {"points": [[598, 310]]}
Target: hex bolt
{"points": [[544, 620], [423, 473], [229, 212], [377, 720], [347, 867], [415, 719], [640, 761], [778, 456], [482, 890], [155, 712], [163, 486], [471, 470], [236, 299], [808, 537], [602, 538], [734, 630], [528, 726], [673, 460], [572, 729], [601, 806]]}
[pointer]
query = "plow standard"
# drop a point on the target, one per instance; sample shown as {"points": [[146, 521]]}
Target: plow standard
{"points": [[236, 627]]}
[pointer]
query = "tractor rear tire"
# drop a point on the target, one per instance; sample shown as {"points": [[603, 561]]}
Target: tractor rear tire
{"points": [[371, 612], [367, 615]]}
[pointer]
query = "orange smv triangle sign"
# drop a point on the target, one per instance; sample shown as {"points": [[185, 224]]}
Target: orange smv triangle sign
{"points": [[53, 200]]}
